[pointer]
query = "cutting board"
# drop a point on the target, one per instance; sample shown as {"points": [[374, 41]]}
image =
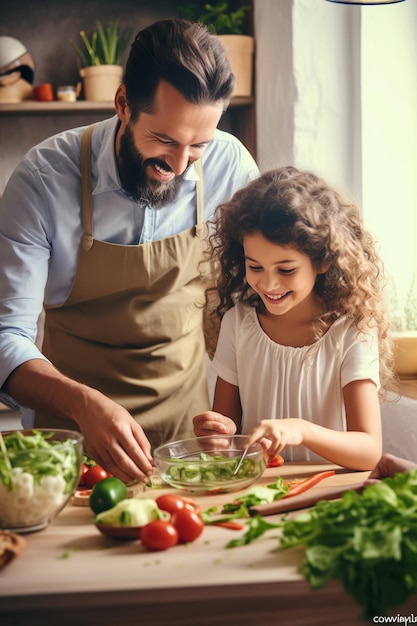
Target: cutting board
{"points": [[303, 500]]}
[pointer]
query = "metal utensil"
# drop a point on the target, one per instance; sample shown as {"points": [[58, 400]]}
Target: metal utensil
{"points": [[242, 458]]}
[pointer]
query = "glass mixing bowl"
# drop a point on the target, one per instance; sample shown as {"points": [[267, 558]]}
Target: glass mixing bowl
{"points": [[207, 464], [39, 472]]}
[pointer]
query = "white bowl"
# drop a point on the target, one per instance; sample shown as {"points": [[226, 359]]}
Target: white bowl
{"points": [[36, 482]]}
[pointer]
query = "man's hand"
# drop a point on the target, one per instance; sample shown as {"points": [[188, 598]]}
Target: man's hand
{"points": [[116, 441], [111, 435]]}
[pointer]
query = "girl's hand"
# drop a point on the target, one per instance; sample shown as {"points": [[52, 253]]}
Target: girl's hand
{"points": [[212, 423], [277, 433]]}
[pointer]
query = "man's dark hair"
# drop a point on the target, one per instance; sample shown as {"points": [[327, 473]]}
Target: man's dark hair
{"points": [[186, 55]]}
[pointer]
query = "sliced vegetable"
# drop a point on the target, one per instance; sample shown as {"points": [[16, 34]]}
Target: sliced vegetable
{"points": [[257, 526], [141, 511], [33, 461], [231, 525], [300, 486], [211, 468], [276, 461], [239, 508]]}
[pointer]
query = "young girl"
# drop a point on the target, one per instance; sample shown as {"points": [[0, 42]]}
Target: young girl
{"points": [[303, 355]]}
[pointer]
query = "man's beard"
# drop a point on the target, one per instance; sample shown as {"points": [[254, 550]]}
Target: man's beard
{"points": [[132, 171]]}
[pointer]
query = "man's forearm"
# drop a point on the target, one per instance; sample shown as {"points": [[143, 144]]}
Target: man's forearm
{"points": [[37, 384]]}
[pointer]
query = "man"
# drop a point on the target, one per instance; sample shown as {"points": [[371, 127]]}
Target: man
{"points": [[104, 228]]}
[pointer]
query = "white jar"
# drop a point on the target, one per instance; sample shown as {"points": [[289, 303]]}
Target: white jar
{"points": [[66, 93]]}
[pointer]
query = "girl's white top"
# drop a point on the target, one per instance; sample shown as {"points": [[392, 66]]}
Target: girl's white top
{"points": [[278, 381]]}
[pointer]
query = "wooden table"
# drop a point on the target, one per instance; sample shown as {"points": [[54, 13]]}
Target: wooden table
{"points": [[71, 574]]}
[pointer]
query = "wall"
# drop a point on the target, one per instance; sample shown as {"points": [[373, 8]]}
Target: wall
{"points": [[306, 88], [389, 137], [40, 27]]}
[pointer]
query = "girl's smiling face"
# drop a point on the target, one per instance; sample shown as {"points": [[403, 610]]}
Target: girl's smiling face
{"points": [[282, 276]]}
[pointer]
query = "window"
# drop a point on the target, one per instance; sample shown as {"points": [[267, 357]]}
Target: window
{"points": [[389, 137]]}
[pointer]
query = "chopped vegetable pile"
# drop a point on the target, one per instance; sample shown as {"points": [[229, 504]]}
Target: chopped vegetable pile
{"points": [[211, 470], [37, 476], [280, 488], [36, 454]]}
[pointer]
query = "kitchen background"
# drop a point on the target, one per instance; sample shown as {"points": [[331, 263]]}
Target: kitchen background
{"points": [[335, 90]]}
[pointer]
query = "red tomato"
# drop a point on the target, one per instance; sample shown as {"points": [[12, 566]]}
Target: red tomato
{"points": [[94, 474], [188, 524], [83, 471], [169, 502], [158, 535], [172, 503], [190, 504], [275, 461]]}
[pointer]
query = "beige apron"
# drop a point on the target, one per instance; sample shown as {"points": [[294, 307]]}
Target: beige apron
{"points": [[132, 324]]}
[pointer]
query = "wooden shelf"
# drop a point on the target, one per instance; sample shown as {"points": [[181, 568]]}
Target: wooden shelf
{"points": [[239, 119], [33, 107]]}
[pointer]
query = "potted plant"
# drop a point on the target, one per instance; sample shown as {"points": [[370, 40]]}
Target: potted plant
{"points": [[100, 55], [228, 23], [404, 331]]}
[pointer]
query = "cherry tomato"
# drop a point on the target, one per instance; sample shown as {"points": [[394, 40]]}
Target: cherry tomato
{"points": [[94, 474], [190, 504], [275, 461], [188, 524], [159, 535], [107, 493], [171, 503], [83, 471]]}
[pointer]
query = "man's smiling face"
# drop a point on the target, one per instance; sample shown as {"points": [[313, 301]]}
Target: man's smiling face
{"points": [[154, 152]]}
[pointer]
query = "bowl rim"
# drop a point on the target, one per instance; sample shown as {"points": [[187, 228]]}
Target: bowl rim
{"points": [[71, 434], [166, 446]]}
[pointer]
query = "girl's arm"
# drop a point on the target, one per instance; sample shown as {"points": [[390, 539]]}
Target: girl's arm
{"points": [[225, 418], [359, 448]]}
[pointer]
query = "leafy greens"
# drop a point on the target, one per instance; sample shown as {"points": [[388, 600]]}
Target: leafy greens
{"points": [[367, 540]]}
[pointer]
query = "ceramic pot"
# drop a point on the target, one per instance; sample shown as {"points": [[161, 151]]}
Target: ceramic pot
{"points": [[405, 353], [240, 50], [101, 81]]}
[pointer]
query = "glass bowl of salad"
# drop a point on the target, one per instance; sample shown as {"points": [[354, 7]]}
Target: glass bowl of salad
{"points": [[208, 464], [39, 472]]}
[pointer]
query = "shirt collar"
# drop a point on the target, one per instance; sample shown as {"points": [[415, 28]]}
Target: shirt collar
{"points": [[191, 173], [106, 174]]}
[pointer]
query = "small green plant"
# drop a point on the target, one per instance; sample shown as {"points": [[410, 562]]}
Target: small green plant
{"points": [[104, 46], [222, 19], [410, 306], [405, 317]]}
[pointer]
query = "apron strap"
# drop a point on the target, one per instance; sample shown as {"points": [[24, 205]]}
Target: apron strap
{"points": [[87, 208], [200, 229]]}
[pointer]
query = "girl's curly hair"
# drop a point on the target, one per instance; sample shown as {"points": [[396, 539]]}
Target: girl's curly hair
{"points": [[292, 207]]}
